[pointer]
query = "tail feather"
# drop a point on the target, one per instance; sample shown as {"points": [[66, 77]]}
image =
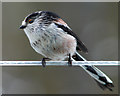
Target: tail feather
{"points": [[108, 86], [102, 80]]}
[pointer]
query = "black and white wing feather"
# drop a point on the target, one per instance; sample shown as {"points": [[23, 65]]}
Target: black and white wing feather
{"points": [[80, 45]]}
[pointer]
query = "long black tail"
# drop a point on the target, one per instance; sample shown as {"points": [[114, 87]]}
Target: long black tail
{"points": [[102, 80]]}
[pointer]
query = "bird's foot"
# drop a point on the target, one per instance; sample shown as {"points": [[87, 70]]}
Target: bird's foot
{"points": [[44, 61], [69, 61]]}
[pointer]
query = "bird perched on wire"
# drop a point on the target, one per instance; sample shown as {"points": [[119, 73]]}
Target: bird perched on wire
{"points": [[51, 37]]}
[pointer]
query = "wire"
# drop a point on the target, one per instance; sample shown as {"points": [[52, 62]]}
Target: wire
{"points": [[59, 63]]}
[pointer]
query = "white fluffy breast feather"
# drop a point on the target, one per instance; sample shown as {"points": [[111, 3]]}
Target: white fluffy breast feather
{"points": [[51, 42]]}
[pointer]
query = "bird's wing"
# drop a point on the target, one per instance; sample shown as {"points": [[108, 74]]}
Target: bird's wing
{"points": [[80, 45], [102, 80]]}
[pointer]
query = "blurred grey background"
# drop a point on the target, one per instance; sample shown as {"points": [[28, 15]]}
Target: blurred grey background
{"points": [[95, 23]]}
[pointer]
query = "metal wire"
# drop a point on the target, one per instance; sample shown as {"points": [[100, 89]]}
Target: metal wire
{"points": [[59, 63]]}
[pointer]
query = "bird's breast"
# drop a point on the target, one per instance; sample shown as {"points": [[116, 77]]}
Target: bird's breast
{"points": [[52, 43]]}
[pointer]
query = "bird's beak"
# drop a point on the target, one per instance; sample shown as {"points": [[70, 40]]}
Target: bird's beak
{"points": [[22, 26]]}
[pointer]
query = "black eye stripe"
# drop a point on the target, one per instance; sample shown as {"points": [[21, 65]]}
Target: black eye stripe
{"points": [[47, 14], [31, 16], [51, 14]]}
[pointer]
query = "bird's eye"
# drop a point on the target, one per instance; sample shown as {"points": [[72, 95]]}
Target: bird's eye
{"points": [[30, 20]]}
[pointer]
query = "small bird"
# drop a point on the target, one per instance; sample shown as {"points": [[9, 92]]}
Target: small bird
{"points": [[51, 37]]}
